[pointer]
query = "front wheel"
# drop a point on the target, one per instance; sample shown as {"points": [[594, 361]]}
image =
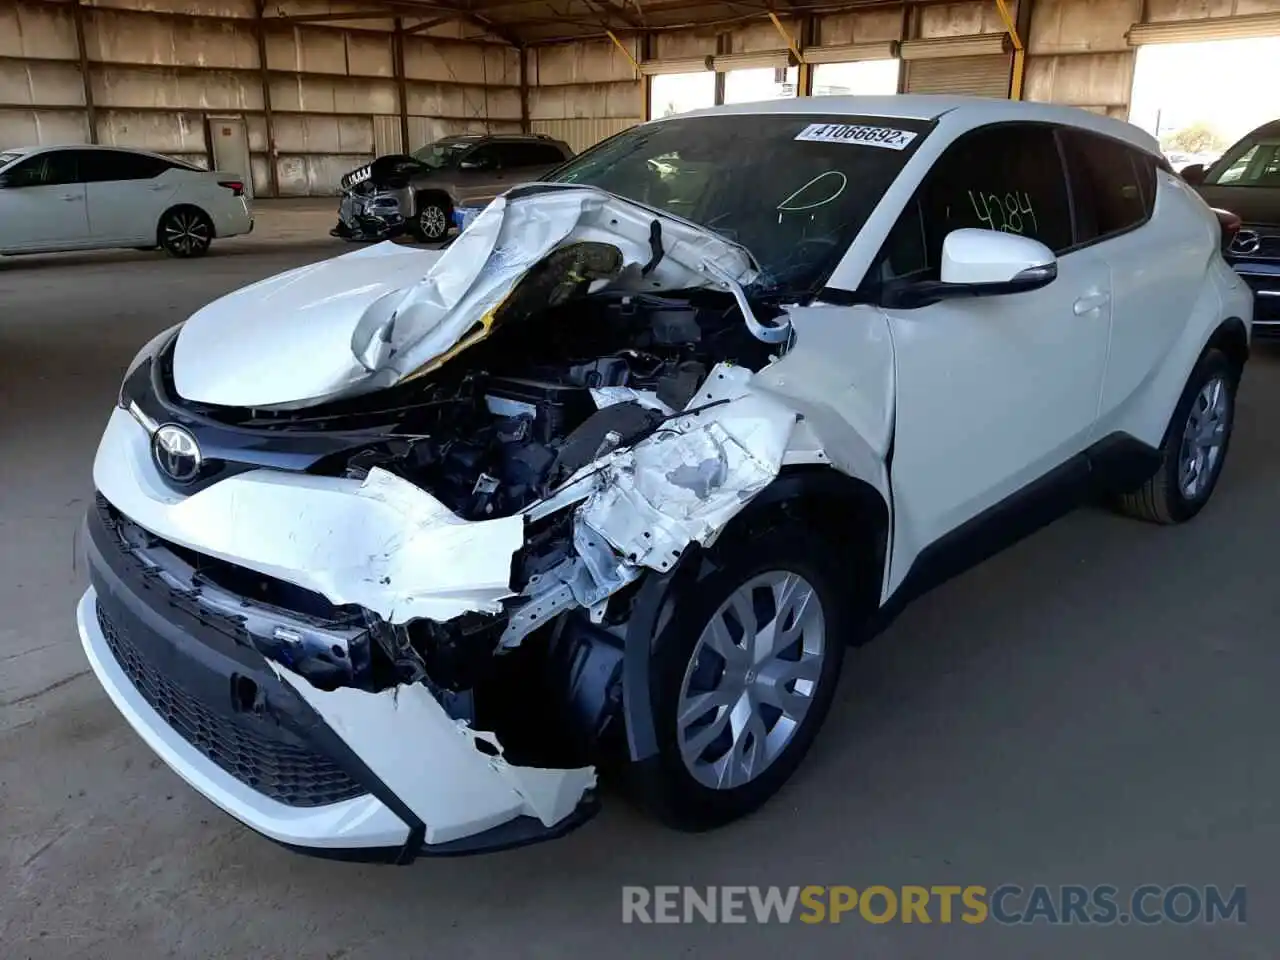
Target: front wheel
{"points": [[1195, 446], [186, 232], [742, 679], [431, 224]]}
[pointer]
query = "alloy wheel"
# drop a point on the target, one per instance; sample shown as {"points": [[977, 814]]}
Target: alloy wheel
{"points": [[434, 222], [186, 233], [1204, 437], [751, 679]]}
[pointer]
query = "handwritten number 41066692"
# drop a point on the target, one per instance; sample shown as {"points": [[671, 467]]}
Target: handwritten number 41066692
{"points": [[1012, 213]]}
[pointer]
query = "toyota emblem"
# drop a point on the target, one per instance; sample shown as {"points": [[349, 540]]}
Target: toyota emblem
{"points": [[1246, 242], [177, 453]]}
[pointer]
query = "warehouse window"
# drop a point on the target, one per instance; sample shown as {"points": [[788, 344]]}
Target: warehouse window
{"points": [[760, 83], [863, 78], [1200, 97], [673, 93]]}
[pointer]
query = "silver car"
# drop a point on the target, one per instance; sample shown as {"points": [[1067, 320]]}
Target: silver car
{"points": [[418, 193]]}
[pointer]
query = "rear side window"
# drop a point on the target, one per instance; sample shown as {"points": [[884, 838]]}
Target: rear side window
{"points": [[1007, 178], [542, 154], [1113, 185], [98, 166]]}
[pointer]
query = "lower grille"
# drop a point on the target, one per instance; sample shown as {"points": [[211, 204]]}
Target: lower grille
{"points": [[286, 773]]}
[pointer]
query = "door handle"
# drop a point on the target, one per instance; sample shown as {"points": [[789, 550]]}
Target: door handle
{"points": [[69, 197], [1093, 301]]}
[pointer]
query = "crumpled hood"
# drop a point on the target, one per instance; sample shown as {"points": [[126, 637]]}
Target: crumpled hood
{"points": [[290, 334], [366, 320]]}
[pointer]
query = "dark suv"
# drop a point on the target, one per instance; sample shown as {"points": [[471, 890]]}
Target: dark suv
{"points": [[419, 192], [1246, 181]]}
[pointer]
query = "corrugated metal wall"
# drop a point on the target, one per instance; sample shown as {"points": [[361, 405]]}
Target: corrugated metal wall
{"points": [[585, 92], [337, 92], [159, 69]]}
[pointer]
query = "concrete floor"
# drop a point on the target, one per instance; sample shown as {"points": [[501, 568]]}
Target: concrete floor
{"points": [[1097, 706]]}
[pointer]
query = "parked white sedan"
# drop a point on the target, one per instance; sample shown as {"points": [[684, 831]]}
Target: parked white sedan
{"points": [[86, 197], [391, 551]]}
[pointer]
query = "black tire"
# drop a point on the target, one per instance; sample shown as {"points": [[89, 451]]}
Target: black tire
{"points": [[1163, 499], [185, 232], [433, 217], [665, 786]]}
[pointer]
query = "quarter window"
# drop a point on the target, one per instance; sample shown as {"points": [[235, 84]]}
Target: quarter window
{"points": [[1112, 184]]}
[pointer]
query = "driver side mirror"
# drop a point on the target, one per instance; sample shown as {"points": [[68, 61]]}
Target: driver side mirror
{"points": [[1193, 174], [982, 263]]}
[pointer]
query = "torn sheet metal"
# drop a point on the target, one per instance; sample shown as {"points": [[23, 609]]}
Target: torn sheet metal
{"points": [[459, 789], [586, 579], [365, 321], [691, 477], [382, 543]]}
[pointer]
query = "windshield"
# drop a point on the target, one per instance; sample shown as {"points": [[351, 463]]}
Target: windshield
{"points": [[442, 153], [794, 190]]}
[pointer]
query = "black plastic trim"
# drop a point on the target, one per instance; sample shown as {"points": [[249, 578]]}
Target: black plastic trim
{"points": [[520, 832], [123, 584], [656, 594], [1117, 463]]}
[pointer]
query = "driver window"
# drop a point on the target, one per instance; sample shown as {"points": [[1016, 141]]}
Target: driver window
{"points": [[1007, 178], [52, 168]]}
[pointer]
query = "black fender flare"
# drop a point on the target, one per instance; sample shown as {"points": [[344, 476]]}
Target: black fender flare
{"points": [[858, 511]]}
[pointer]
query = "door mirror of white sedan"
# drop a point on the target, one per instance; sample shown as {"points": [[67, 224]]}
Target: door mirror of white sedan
{"points": [[980, 263]]}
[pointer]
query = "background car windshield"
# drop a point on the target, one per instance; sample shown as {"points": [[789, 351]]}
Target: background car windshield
{"points": [[794, 190], [442, 153]]}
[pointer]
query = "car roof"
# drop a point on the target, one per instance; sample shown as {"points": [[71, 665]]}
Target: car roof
{"points": [[47, 147], [962, 112], [477, 137]]}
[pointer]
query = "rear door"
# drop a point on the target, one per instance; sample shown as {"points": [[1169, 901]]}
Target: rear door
{"points": [[127, 193], [1154, 236], [42, 204]]}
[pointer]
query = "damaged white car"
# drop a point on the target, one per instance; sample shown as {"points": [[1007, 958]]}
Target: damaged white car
{"points": [[392, 552]]}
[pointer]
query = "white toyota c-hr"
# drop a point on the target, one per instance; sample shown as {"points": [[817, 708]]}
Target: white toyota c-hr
{"points": [[86, 197], [391, 551]]}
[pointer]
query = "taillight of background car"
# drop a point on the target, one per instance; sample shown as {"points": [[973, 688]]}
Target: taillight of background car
{"points": [[1230, 224], [235, 186]]}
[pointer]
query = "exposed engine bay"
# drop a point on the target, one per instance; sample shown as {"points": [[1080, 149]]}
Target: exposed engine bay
{"points": [[556, 382]]}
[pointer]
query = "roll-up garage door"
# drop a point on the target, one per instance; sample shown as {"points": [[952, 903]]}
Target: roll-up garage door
{"points": [[1210, 28], [977, 66], [962, 76]]}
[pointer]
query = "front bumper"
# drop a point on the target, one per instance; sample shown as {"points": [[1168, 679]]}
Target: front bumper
{"points": [[369, 218], [1263, 278], [347, 774]]}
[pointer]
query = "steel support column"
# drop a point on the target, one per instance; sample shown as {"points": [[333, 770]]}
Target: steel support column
{"points": [[260, 29], [90, 112], [402, 86]]}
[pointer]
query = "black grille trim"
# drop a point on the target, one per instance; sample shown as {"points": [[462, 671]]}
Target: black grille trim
{"points": [[288, 774]]}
